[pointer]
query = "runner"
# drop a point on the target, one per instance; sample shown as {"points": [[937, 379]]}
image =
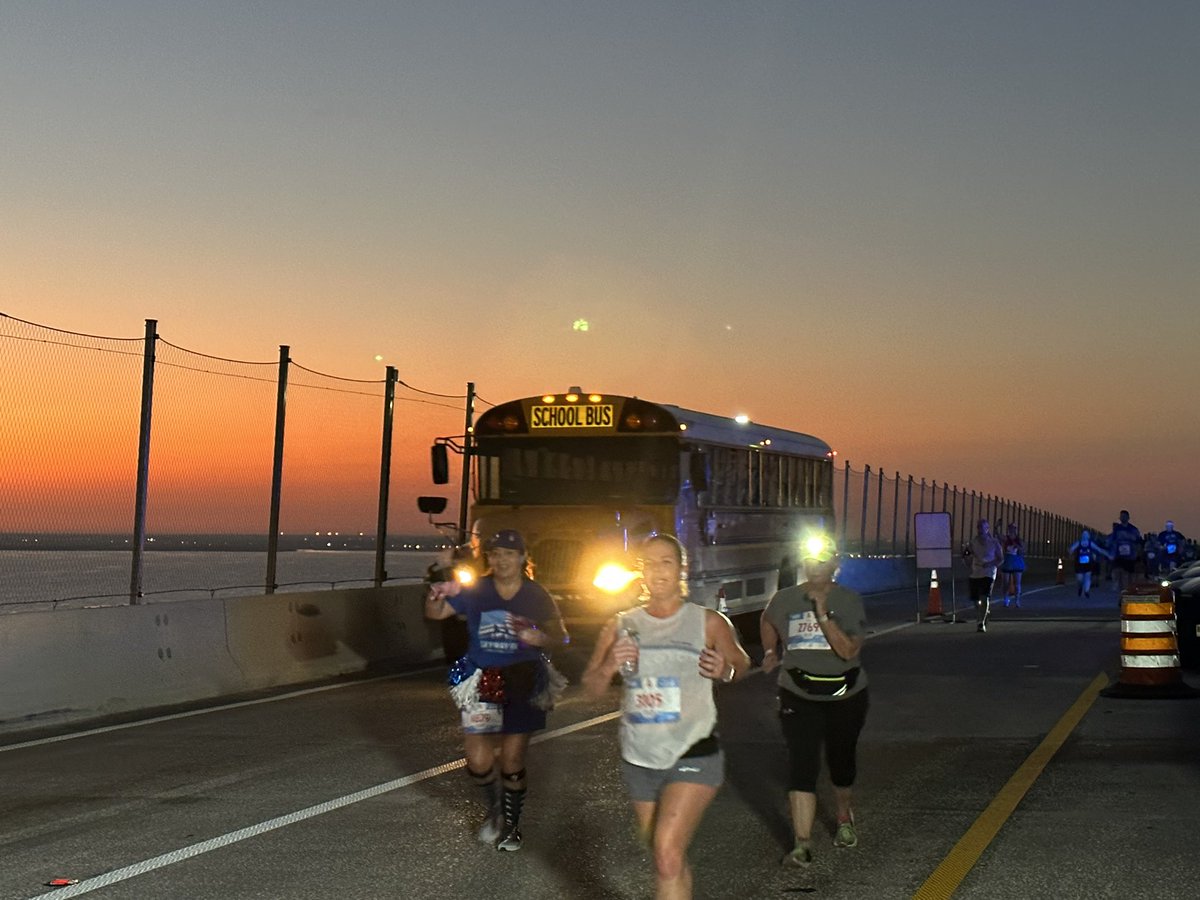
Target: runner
{"points": [[1126, 546], [819, 627], [505, 683], [1172, 546], [1013, 566], [673, 651], [984, 554], [1086, 552]]}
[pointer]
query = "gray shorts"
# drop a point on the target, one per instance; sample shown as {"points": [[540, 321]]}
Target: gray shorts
{"points": [[645, 784]]}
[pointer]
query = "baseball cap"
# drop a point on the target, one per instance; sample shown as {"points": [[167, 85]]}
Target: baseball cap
{"points": [[508, 539]]}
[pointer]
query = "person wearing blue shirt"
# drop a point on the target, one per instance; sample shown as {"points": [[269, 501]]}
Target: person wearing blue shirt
{"points": [[1125, 544], [1172, 547], [504, 684], [1086, 554]]}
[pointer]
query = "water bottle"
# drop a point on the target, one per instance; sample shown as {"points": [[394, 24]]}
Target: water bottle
{"points": [[629, 667]]}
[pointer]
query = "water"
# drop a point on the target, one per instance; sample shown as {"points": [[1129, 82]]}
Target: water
{"points": [[41, 579]]}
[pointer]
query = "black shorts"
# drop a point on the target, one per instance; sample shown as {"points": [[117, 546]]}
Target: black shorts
{"points": [[1125, 565], [980, 588]]}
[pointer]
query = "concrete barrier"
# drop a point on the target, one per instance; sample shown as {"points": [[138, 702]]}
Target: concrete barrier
{"points": [[72, 665]]}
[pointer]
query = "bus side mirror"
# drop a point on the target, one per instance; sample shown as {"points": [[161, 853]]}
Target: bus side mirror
{"points": [[698, 472], [431, 506], [440, 463]]}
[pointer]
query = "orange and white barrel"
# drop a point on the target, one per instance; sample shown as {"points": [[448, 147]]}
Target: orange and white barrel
{"points": [[1149, 641]]}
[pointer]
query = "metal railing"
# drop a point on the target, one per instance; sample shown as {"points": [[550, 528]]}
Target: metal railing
{"points": [[874, 514]]}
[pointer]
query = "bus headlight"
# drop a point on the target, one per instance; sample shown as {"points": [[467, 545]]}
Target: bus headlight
{"points": [[613, 578]]}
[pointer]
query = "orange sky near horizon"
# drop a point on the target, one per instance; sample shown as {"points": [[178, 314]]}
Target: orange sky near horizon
{"points": [[957, 241]]}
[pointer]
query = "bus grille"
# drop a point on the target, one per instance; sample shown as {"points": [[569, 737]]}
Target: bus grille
{"points": [[555, 561]]}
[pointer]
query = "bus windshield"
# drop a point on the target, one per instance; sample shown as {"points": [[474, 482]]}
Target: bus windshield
{"points": [[569, 471]]}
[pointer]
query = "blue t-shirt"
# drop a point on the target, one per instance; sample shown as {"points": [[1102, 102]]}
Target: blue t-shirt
{"points": [[1172, 542], [493, 622]]}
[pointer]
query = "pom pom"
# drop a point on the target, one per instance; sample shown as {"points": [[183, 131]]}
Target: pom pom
{"points": [[466, 692], [461, 669], [551, 684], [491, 686]]}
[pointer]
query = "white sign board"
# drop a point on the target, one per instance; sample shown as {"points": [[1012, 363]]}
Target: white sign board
{"points": [[935, 548]]}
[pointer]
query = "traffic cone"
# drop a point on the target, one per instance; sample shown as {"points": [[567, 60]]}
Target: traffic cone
{"points": [[935, 596], [1060, 579]]}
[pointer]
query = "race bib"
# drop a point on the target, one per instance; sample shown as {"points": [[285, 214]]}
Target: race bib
{"points": [[652, 700], [1124, 549], [804, 632], [1171, 548], [483, 718], [1084, 559]]}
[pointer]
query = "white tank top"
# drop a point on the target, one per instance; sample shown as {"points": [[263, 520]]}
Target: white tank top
{"points": [[668, 705]]}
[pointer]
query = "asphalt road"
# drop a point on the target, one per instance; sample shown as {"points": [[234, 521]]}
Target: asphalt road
{"points": [[989, 768]]}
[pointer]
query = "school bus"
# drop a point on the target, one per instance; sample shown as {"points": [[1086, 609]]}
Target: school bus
{"points": [[585, 477]]}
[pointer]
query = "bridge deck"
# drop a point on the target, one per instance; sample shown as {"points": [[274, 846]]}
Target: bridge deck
{"points": [[354, 790]]}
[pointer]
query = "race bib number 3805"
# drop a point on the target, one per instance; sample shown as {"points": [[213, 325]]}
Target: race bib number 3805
{"points": [[650, 700]]}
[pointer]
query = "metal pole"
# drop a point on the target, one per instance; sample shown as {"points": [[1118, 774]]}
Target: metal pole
{"points": [[385, 475], [464, 496], [845, 504], [277, 466], [143, 463], [878, 510], [895, 510], [908, 518], [862, 523]]}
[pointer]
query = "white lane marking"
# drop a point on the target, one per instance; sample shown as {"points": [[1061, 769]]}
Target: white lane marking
{"points": [[175, 856], [209, 709]]}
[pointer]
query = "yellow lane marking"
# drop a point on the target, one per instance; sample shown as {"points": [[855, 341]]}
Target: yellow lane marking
{"points": [[962, 857]]}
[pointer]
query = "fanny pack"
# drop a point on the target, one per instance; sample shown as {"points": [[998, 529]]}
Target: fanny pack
{"points": [[824, 685]]}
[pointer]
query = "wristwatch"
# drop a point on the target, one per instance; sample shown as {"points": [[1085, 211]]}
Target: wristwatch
{"points": [[825, 617]]}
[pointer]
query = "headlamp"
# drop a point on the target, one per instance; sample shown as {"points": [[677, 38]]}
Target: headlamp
{"points": [[818, 548]]}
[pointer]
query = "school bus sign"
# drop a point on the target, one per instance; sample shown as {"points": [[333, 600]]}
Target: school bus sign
{"points": [[586, 415]]}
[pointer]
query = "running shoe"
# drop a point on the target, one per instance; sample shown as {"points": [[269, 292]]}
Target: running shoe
{"points": [[800, 856], [1006, 603], [511, 840], [490, 830], [982, 627], [846, 835]]}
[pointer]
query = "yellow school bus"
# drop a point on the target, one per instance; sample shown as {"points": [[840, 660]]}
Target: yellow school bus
{"points": [[585, 477]]}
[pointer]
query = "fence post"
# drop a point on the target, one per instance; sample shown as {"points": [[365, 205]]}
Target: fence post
{"points": [[143, 464], [862, 524], [385, 475], [908, 514], [878, 510], [845, 505], [464, 496], [895, 510], [277, 466]]}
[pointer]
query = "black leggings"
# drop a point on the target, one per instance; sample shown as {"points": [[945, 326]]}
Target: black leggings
{"points": [[807, 724]]}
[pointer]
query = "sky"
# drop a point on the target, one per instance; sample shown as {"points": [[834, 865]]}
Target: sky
{"points": [[953, 239]]}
